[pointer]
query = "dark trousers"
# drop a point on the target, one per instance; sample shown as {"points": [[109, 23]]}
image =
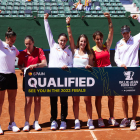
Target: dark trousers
{"points": [[64, 107]]}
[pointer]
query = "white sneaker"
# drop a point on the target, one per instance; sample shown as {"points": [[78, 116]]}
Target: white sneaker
{"points": [[101, 122], [63, 125], [133, 125], [13, 127], [125, 122], [1, 132], [90, 124], [54, 125], [26, 127], [36, 126], [113, 122], [77, 124]]}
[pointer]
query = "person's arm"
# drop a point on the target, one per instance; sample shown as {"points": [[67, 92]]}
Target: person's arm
{"points": [[75, 4], [17, 52], [71, 39], [48, 31], [39, 65], [91, 64], [20, 62], [117, 59], [136, 17], [109, 40]]}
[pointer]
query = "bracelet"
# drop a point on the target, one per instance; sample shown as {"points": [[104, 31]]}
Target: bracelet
{"points": [[37, 65], [68, 26]]}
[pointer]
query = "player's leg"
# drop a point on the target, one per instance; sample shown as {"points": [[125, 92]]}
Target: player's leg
{"points": [[53, 102], [12, 98], [88, 103], [37, 108], [112, 120], [134, 110], [98, 109], [76, 100], [2, 95], [64, 111], [125, 122]]}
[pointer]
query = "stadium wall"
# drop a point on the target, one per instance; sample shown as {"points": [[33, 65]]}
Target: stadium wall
{"points": [[35, 28]]}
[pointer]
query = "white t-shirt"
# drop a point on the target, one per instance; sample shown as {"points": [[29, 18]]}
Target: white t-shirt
{"points": [[7, 58], [58, 57], [80, 60], [127, 52]]}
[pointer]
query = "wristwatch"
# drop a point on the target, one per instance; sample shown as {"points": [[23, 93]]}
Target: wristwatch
{"points": [[37, 65]]}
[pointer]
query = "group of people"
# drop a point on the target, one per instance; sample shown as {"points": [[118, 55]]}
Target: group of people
{"points": [[79, 6], [80, 55]]}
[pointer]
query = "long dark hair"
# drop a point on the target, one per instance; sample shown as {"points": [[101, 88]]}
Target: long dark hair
{"points": [[10, 33], [97, 33], [62, 34]]}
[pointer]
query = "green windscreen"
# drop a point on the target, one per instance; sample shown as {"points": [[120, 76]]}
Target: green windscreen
{"points": [[35, 28]]}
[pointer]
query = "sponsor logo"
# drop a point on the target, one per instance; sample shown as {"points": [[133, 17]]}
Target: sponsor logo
{"points": [[128, 75], [128, 84], [30, 73], [38, 73]]}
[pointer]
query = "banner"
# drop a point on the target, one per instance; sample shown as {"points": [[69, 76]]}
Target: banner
{"points": [[108, 81]]}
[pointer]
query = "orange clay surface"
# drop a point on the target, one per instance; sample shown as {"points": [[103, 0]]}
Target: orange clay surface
{"points": [[107, 133]]}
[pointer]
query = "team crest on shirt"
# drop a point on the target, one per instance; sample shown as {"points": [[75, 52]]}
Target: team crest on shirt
{"points": [[121, 45]]}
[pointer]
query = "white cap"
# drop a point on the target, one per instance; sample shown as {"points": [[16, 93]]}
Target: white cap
{"points": [[97, 8]]}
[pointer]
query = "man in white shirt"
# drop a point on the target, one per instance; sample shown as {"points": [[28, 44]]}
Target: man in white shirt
{"points": [[126, 55]]}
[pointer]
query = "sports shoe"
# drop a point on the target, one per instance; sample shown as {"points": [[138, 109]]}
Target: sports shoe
{"points": [[90, 124], [101, 122], [77, 124], [133, 125], [113, 122], [13, 127], [1, 132], [125, 122], [36, 126], [54, 125], [26, 127], [63, 125]]}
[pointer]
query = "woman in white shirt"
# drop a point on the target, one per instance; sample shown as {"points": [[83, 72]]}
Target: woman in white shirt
{"points": [[60, 56], [8, 79], [82, 58]]}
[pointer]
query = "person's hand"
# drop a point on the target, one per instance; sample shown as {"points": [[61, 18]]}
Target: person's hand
{"points": [[64, 67], [123, 65], [32, 66], [107, 15], [68, 20], [135, 16], [46, 16], [88, 66]]}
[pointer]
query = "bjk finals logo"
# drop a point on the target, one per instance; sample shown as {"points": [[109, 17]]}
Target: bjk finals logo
{"points": [[128, 84]]}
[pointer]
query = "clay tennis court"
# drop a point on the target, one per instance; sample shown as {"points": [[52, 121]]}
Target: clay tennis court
{"points": [[107, 133]]}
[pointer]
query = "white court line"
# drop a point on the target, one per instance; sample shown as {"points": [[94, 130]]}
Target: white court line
{"points": [[47, 132], [93, 135]]}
